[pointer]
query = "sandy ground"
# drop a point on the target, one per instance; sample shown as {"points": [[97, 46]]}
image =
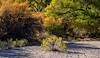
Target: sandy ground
{"points": [[82, 49]]}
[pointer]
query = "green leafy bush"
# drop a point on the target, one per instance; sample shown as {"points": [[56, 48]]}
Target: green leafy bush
{"points": [[53, 43], [55, 29], [38, 5], [13, 43], [81, 14], [3, 44]]}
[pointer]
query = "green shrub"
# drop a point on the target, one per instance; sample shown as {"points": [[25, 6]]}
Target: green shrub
{"points": [[55, 29], [3, 44], [20, 43], [13, 43], [16, 43], [53, 43]]}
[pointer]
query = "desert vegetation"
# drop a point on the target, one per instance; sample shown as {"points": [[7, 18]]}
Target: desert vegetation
{"points": [[48, 22]]}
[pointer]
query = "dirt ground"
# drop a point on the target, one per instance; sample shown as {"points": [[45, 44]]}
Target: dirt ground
{"points": [[82, 49]]}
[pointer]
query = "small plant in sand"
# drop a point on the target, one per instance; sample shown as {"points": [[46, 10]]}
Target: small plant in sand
{"points": [[53, 43]]}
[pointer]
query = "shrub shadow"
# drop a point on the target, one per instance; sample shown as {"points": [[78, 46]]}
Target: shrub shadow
{"points": [[13, 53], [80, 45]]}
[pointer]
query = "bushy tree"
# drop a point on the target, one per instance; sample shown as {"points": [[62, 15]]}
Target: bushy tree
{"points": [[83, 15], [17, 22]]}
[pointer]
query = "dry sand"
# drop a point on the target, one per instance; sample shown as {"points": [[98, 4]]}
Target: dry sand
{"points": [[82, 49]]}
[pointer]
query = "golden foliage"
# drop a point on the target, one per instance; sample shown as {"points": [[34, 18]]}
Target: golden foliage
{"points": [[46, 19], [14, 7]]}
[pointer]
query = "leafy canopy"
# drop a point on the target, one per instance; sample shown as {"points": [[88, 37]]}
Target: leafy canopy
{"points": [[83, 14]]}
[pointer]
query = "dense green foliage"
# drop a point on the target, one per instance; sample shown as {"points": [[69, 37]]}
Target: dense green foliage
{"points": [[38, 5], [83, 15]]}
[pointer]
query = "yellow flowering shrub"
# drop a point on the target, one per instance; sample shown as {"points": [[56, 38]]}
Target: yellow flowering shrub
{"points": [[53, 43]]}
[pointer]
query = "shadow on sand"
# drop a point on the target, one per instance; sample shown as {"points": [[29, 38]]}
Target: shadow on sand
{"points": [[13, 53], [80, 45]]}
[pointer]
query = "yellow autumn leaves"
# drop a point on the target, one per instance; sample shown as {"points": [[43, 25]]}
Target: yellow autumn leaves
{"points": [[47, 20]]}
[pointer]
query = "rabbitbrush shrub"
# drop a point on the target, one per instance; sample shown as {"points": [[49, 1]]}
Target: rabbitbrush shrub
{"points": [[53, 43]]}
